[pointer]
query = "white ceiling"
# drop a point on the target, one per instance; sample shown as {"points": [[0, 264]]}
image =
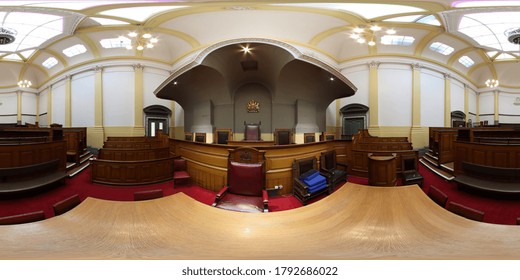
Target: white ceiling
{"points": [[185, 28]]}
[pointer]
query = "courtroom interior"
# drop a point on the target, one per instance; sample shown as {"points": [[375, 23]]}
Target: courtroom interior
{"points": [[195, 129]]}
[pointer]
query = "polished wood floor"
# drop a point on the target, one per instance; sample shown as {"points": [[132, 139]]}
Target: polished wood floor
{"points": [[355, 222]]}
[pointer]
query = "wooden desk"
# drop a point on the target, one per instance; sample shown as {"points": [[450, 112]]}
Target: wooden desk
{"points": [[251, 143], [382, 170]]}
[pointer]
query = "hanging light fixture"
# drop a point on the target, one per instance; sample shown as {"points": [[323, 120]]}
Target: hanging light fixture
{"points": [[141, 39], [492, 83], [24, 84], [367, 34]]}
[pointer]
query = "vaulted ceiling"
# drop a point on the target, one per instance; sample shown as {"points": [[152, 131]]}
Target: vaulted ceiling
{"points": [[323, 30]]}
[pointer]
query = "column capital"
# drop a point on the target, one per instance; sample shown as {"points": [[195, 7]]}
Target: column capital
{"points": [[374, 64], [416, 66], [138, 66], [98, 68], [447, 76]]}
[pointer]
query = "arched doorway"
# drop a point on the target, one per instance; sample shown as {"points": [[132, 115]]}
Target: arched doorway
{"points": [[157, 117], [353, 118]]}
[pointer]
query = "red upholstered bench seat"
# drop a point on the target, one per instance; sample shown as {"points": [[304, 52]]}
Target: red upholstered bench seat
{"points": [[66, 204], [148, 194], [22, 218]]}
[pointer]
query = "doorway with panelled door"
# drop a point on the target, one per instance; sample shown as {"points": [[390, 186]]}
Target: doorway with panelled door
{"points": [[157, 118]]}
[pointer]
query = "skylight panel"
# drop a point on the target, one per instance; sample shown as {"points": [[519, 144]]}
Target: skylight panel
{"points": [[469, 4], [409, 19], [138, 13], [71, 5], [466, 61], [431, 20], [74, 50], [367, 11], [487, 29], [13, 57], [397, 40], [111, 43], [441, 48], [107, 21], [50, 62]]}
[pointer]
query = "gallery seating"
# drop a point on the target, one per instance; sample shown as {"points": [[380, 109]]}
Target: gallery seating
{"points": [[327, 136], [200, 137], [180, 171], [465, 211], [188, 136], [308, 181], [22, 218], [252, 131], [66, 204], [283, 136], [309, 137], [148, 194], [245, 190], [437, 196], [222, 135], [328, 165]]}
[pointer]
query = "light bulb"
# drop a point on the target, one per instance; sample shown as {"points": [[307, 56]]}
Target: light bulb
{"points": [[361, 40], [149, 45], [375, 28], [358, 30], [140, 48], [147, 35], [371, 43], [132, 34], [154, 40], [390, 31]]}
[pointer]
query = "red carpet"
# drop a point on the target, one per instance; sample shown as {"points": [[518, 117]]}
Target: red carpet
{"points": [[497, 211]]}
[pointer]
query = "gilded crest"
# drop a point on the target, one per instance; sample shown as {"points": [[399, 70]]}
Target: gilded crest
{"points": [[253, 106]]}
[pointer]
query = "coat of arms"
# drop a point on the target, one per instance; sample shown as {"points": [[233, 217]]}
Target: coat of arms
{"points": [[253, 106]]}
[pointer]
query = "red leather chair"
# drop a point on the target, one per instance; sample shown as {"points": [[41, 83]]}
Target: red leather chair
{"points": [[245, 191], [437, 196], [180, 171], [252, 131], [465, 211]]}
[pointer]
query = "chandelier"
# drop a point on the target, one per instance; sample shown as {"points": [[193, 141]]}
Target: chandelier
{"points": [[24, 84], [492, 83], [139, 40], [367, 34]]}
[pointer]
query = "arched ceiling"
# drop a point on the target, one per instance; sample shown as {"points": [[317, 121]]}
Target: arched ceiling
{"points": [[185, 28]]}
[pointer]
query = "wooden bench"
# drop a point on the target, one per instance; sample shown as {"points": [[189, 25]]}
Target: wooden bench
{"points": [[16, 180], [489, 179], [22, 218]]}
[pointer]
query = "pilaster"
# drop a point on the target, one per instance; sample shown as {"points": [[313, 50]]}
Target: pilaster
{"points": [[447, 100], [373, 98]]}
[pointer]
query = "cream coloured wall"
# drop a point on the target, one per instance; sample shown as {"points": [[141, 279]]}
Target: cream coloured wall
{"points": [[58, 103], [509, 108], [118, 96], [82, 99], [8, 109], [395, 95], [432, 98], [29, 107]]}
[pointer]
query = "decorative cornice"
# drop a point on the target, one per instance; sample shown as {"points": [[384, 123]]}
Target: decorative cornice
{"points": [[416, 66], [98, 69], [138, 66], [374, 64], [447, 76]]}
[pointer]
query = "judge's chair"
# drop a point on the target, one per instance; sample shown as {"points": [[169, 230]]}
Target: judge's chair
{"points": [[329, 166], [252, 131], [308, 181], [245, 191]]}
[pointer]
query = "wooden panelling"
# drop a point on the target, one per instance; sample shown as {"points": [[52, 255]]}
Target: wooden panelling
{"points": [[130, 154], [29, 154], [207, 163], [132, 172], [496, 155]]}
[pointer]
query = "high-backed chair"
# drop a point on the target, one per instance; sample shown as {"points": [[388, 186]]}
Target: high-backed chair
{"points": [[327, 136], [410, 173], [437, 196], [252, 131], [308, 181], [222, 135], [329, 166], [245, 190], [200, 137], [283, 136], [465, 211], [180, 171], [309, 137]]}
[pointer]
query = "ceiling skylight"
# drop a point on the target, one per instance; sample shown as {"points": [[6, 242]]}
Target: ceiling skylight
{"points": [[367, 11], [431, 20], [397, 40], [107, 21], [466, 61], [441, 48], [405, 18], [470, 4], [50, 62], [13, 57], [74, 50], [487, 29], [138, 13], [32, 29], [111, 43], [70, 5]]}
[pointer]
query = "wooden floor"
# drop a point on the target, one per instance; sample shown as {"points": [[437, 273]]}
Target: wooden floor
{"points": [[355, 222]]}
